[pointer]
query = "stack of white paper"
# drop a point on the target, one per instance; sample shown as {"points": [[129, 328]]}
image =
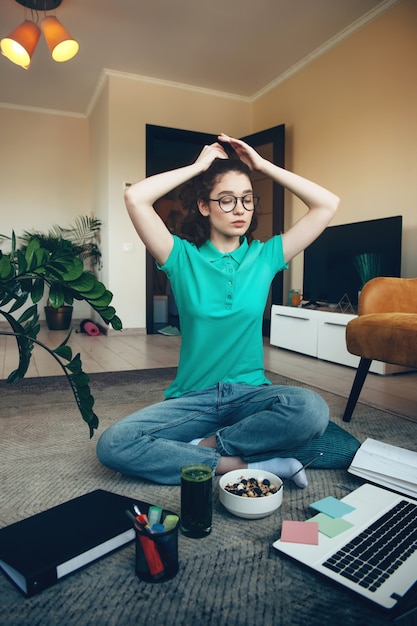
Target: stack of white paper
{"points": [[386, 465]]}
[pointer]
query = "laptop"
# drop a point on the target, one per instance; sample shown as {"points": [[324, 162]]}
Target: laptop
{"points": [[377, 556]]}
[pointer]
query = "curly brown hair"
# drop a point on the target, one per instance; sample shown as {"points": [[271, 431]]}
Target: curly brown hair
{"points": [[195, 227]]}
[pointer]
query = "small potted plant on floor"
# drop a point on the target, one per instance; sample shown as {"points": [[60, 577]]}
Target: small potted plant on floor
{"points": [[81, 239], [25, 275]]}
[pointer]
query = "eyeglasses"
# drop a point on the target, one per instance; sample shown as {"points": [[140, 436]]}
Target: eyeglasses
{"points": [[228, 203]]}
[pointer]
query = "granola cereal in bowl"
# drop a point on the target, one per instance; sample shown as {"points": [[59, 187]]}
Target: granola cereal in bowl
{"points": [[251, 494]]}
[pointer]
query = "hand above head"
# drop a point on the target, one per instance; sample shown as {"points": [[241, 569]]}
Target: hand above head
{"points": [[246, 153], [209, 153]]}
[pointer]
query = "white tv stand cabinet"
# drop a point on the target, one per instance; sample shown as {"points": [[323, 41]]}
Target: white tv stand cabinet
{"points": [[318, 333]]}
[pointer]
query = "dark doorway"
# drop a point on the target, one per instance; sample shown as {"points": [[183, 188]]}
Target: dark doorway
{"points": [[169, 148]]}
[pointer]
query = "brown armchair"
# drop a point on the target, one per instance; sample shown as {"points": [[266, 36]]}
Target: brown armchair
{"points": [[385, 329]]}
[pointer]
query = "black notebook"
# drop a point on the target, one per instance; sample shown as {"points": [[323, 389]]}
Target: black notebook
{"points": [[39, 550]]}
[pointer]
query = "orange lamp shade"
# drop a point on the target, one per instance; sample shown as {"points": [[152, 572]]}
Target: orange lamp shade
{"points": [[61, 44], [19, 46]]}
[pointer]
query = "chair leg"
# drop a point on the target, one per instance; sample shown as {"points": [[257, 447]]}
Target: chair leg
{"points": [[361, 372]]}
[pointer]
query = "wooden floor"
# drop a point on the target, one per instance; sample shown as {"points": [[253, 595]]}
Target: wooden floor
{"points": [[129, 350]]}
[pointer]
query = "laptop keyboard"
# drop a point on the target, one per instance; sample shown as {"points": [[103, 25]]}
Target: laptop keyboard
{"points": [[371, 557]]}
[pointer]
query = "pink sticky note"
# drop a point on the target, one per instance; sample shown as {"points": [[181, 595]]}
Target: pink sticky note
{"points": [[300, 532]]}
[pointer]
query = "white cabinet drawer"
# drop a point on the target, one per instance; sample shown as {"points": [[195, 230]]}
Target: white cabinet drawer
{"points": [[294, 332], [331, 345]]}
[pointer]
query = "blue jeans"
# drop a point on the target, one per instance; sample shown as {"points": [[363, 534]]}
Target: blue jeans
{"points": [[255, 423]]}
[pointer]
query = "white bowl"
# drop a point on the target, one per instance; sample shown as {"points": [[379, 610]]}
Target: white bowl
{"points": [[250, 508]]}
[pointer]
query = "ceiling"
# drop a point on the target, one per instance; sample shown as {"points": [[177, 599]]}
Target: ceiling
{"points": [[239, 47]]}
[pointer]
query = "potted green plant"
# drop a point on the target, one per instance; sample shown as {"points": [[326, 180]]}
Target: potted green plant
{"points": [[82, 239], [25, 275]]}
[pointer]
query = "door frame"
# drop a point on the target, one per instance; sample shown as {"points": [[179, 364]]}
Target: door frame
{"points": [[275, 136]]}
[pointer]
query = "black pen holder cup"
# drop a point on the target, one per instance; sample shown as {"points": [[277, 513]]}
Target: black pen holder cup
{"points": [[157, 555]]}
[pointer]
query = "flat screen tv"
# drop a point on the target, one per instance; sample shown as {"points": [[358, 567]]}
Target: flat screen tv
{"points": [[344, 257]]}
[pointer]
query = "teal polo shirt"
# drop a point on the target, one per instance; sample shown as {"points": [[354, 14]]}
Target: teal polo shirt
{"points": [[221, 300]]}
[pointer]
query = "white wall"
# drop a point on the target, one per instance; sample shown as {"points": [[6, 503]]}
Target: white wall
{"points": [[351, 125], [45, 173]]}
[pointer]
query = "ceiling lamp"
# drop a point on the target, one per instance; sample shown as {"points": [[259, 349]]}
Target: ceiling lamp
{"points": [[61, 44], [20, 44]]}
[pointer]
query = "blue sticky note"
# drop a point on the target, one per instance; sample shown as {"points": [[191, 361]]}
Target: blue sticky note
{"points": [[332, 506]]}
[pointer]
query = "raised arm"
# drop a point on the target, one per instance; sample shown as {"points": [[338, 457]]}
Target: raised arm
{"points": [[322, 204], [141, 196]]}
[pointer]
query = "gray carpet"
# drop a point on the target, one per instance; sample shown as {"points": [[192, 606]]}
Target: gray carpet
{"points": [[232, 577]]}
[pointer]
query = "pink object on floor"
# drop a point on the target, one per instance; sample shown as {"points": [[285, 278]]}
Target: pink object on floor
{"points": [[91, 329]]}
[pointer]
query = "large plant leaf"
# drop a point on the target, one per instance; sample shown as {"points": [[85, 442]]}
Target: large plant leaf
{"points": [[102, 301], [37, 291], [76, 270], [56, 295], [21, 262], [24, 345], [97, 291], [84, 283], [6, 268], [29, 314], [64, 351], [116, 323], [19, 302]]}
